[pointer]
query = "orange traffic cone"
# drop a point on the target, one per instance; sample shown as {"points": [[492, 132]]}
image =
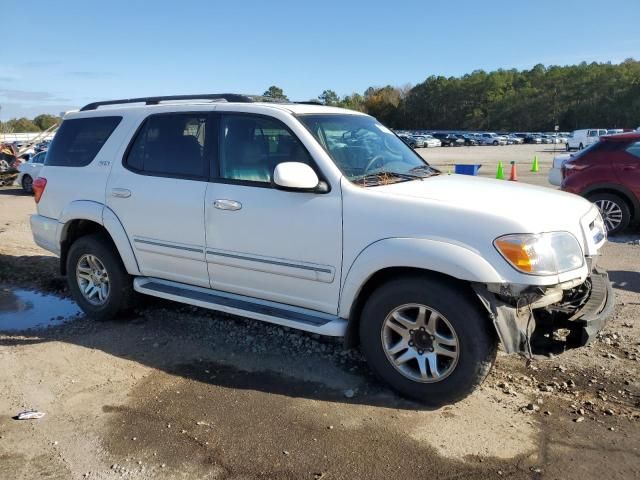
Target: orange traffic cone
{"points": [[514, 175]]}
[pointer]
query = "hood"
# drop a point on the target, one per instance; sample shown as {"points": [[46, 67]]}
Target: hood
{"points": [[539, 209]]}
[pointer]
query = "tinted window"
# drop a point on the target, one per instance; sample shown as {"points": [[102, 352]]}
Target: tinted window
{"points": [[79, 140], [599, 146], [39, 158], [252, 146], [171, 145], [634, 149]]}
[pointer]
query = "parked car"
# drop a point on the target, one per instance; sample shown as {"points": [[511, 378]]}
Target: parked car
{"points": [[449, 139], [419, 141], [408, 139], [515, 139], [356, 236], [429, 141], [579, 139], [30, 170], [555, 172], [492, 139], [608, 174], [533, 138], [468, 140]]}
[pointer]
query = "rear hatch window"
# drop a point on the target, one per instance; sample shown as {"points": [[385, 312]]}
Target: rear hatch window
{"points": [[79, 140]]}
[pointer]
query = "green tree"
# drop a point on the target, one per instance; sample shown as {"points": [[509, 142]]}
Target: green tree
{"points": [[45, 121], [21, 125], [275, 93], [329, 97], [355, 101]]}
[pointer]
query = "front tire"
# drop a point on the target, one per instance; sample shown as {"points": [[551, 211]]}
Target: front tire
{"points": [[614, 210], [27, 184], [97, 278], [427, 339]]}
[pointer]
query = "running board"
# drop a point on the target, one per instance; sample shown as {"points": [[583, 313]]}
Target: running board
{"points": [[264, 310]]}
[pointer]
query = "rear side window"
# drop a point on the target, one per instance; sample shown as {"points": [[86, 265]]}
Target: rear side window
{"points": [[634, 149], [79, 140], [171, 145]]}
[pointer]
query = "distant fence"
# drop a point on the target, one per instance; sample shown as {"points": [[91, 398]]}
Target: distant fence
{"points": [[24, 137]]}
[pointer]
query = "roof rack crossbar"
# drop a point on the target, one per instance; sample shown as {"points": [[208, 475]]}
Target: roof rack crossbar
{"points": [[229, 97]]}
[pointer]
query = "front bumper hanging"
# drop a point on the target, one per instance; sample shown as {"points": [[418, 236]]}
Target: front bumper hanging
{"points": [[528, 330]]}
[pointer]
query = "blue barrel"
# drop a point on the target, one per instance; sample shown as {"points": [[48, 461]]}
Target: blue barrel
{"points": [[467, 169]]}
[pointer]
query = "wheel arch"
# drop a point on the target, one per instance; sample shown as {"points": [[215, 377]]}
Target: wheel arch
{"points": [[391, 258], [83, 218], [383, 276], [615, 189]]}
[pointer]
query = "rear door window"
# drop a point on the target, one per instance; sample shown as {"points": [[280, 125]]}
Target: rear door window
{"points": [[634, 149], [171, 145], [79, 140]]}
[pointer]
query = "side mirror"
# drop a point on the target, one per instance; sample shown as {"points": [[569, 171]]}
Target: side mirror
{"points": [[295, 176]]}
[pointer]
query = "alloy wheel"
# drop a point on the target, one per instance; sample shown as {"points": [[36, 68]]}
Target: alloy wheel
{"points": [[611, 213], [420, 343], [93, 279]]}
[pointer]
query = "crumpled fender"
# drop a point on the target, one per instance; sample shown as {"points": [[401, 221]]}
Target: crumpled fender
{"points": [[451, 259]]}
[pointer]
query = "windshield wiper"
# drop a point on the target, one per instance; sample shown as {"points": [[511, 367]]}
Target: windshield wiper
{"points": [[429, 170], [381, 175]]}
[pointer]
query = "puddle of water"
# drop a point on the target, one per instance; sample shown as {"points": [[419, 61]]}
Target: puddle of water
{"points": [[26, 309]]}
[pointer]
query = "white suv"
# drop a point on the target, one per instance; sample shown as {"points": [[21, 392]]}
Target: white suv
{"points": [[320, 219]]}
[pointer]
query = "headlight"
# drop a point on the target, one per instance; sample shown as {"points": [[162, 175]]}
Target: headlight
{"points": [[542, 253]]}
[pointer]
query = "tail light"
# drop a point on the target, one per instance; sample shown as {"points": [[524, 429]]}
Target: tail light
{"points": [[39, 185]]}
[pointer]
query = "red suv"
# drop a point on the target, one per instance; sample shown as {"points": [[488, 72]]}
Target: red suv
{"points": [[608, 174]]}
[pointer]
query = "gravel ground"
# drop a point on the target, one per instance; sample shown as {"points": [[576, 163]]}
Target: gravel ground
{"points": [[176, 392]]}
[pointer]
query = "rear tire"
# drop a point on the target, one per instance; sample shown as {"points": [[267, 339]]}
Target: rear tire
{"points": [[430, 375], [614, 210], [27, 184], [97, 278]]}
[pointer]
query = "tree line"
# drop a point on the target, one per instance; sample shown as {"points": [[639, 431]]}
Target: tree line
{"points": [[37, 124], [576, 96]]}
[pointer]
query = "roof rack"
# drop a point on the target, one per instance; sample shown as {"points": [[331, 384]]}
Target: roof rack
{"points": [[310, 102], [229, 97]]}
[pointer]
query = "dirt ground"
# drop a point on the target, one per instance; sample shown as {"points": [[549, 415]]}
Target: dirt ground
{"points": [[175, 392]]}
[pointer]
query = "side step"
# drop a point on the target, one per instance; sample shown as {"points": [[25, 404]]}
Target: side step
{"points": [[272, 312]]}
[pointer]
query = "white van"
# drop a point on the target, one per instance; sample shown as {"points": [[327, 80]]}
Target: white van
{"points": [[580, 139]]}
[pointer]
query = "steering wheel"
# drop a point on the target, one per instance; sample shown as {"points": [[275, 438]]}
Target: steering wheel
{"points": [[371, 162]]}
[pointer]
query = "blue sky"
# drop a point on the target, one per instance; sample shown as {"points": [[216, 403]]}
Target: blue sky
{"points": [[64, 54]]}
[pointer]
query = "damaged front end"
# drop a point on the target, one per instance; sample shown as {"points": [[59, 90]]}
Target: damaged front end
{"points": [[544, 320]]}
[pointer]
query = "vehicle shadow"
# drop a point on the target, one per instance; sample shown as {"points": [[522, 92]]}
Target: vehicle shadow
{"points": [[217, 349], [625, 280], [13, 191], [557, 151]]}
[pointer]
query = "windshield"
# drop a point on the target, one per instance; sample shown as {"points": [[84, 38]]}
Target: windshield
{"points": [[363, 149]]}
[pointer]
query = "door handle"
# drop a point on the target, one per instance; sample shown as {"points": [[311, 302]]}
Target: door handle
{"points": [[223, 204], [120, 192]]}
